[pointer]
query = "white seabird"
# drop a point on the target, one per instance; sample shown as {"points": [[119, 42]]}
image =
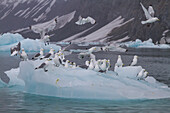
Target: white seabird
{"points": [[135, 60], [96, 67], [108, 65], [74, 65], [149, 15], [23, 55], [50, 54], [57, 60], [92, 49], [16, 49], [39, 55], [91, 66], [46, 39], [83, 21], [140, 74], [145, 74], [44, 65], [103, 65], [44, 28], [119, 62], [67, 65], [87, 63]]}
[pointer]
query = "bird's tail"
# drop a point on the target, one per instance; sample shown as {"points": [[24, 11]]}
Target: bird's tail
{"points": [[143, 22]]}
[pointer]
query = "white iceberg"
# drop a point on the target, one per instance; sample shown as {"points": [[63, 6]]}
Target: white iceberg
{"points": [[86, 84], [29, 45], [8, 39], [145, 44]]}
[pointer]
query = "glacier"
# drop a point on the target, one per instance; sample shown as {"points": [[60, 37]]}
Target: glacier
{"points": [[9, 40], [85, 84], [144, 44]]}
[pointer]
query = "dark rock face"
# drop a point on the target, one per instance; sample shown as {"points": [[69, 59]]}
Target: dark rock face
{"points": [[103, 11]]}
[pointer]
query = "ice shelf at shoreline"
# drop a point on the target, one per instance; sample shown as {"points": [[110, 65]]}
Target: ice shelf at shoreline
{"points": [[9, 40], [145, 44], [86, 84]]}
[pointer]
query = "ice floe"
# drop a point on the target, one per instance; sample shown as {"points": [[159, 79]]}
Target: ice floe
{"points": [[30, 45], [86, 84], [144, 44]]}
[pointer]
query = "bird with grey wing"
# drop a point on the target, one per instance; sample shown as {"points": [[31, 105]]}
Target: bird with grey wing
{"points": [[149, 15], [49, 55], [44, 65]]}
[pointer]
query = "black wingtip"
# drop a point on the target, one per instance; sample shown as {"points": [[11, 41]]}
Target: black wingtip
{"points": [[56, 20], [30, 27]]}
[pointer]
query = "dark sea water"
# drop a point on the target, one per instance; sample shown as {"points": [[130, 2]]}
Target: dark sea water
{"points": [[155, 61]]}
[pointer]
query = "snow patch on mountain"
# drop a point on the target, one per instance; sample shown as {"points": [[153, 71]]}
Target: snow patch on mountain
{"points": [[102, 33], [27, 11]]}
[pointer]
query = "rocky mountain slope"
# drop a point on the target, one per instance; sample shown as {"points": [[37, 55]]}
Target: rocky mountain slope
{"points": [[117, 20]]}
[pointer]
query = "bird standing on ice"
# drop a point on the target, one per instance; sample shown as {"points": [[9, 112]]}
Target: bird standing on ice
{"points": [[119, 62], [135, 60], [91, 66], [50, 54], [140, 74], [39, 55], [149, 15], [44, 65], [57, 60], [24, 55]]}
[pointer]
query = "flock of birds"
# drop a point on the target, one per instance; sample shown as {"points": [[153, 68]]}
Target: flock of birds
{"points": [[59, 58]]}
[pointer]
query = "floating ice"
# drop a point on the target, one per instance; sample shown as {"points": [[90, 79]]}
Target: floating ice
{"points": [[8, 38], [87, 84], [145, 44], [29, 45]]}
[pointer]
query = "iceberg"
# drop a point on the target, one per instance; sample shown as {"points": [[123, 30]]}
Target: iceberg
{"points": [[86, 84], [145, 44], [30, 45], [8, 39]]}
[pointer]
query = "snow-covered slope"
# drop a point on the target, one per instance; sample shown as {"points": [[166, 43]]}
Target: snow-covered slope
{"points": [[18, 14], [102, 34]]}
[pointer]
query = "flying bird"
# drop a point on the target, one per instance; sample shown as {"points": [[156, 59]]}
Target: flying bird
{"points": [[44, 28], [82, 21], [16, 49], [149, 15]]}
